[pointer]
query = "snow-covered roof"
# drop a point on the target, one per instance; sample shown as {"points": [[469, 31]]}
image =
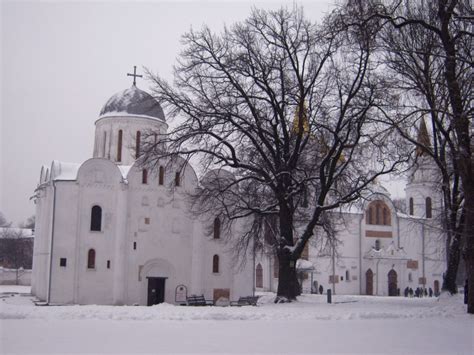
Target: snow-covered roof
{"points": [[304, 265], [133, 102], [124, 169], [68, 171], [65, 171]]}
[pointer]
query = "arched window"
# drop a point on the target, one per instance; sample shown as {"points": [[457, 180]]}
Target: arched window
{"points": [[378, 213], [217, 228], [410, 207], [144, 176], [369, 217], [119, 145], [177, 179], [161, 176], [96, 218], [215, 264], [91, 259], [137, 144], [429, 211], [348, 276], [385, 217], [259, 276]]}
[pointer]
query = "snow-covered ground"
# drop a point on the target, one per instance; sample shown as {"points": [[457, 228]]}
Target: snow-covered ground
{"points": [[352, 324]]}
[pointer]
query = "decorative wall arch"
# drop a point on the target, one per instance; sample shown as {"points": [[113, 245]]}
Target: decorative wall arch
{"points": [[157, 268]]}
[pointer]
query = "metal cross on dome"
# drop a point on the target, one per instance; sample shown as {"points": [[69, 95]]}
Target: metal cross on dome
{"points": [[135, 75]]}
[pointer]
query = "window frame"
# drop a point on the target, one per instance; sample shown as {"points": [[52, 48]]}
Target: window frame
{"points": [[91, 256], [177, 179], [119, 145], [161, 176], [217, 228], [96, 218], [215, 264], [428, 207], [137, 144]]}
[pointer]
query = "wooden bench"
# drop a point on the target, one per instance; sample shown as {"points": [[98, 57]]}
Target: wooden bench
{"points": [[245, 301], [195, 300]]}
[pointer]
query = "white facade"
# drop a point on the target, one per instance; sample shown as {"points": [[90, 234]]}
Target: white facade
{"points": [[146, 247], [108, 233], [381, 255]]}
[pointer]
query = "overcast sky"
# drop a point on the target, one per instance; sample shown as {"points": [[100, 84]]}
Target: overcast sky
{"points": [[62, 60]]}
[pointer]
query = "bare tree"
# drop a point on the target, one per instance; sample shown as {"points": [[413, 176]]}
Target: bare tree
{"points": [[431, 47], [289, 109], [16, 250], [3, 221], [29, 223]]}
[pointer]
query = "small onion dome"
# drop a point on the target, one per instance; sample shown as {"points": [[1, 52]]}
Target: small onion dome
{"points": [[133, 102]]}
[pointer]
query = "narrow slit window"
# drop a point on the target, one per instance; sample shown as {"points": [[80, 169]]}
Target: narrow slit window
{"points": [[259, 276], [369, 216], [108, 264], [119, 146], [91, 259], [411, 206], [177, 179], [96, 218], [134, 245], [217, 228], [137, 144], [161, 176], [215, 264], [144, 176], [429, 209], [385, 217]]}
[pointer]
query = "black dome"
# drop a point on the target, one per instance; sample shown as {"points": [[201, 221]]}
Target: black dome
{"points": [[133, 101]]}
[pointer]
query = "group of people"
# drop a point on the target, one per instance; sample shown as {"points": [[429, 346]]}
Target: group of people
{"points": [[419, 292]]}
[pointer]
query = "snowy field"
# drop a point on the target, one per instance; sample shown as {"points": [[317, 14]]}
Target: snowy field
{"points": [[352, 325]]}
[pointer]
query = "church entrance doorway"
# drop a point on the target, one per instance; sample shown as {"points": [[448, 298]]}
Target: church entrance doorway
{"points": [[392, 283], [156, 290], [369, 283]]}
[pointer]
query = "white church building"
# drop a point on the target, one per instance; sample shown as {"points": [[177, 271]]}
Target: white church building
{"points": [[379, 250], [110, 232]]}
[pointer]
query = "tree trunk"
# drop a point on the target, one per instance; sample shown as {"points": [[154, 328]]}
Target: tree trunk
{"points": [[288, 286], [461, 123], [469, 242], [454, 254]]}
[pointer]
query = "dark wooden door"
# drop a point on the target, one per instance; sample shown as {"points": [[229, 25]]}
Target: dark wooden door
{"points": [[156, 290], [392, 283], [369, 282]]}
